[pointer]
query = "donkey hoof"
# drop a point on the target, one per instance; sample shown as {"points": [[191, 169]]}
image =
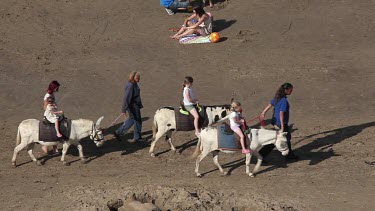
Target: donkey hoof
{"points": [[66, 164], [251, 175], [84, 160], [199, 175], [38, 163], [152, 155], [14, 165], [225, 173]]}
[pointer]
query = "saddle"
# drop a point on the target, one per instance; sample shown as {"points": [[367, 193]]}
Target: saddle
{"points": [[185, 121], [47, 132], [228, 139]]}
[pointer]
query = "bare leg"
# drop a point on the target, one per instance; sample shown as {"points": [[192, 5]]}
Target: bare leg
{"points": [[57, 129], [188, 31], [216, 161], [181, 30], [45, 149], [159, 134], [194, 112]]}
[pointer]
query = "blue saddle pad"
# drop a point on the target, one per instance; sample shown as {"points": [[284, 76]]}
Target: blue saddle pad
{"points": [[227, 139]]}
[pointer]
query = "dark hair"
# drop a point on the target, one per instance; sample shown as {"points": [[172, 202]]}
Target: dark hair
{"points": [[188, 79], [54, 85], [199, 10], [280, 93]]}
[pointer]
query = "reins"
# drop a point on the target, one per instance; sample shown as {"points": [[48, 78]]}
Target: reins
{"points": [[261, 120]]}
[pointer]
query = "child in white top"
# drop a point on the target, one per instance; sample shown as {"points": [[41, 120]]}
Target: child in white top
{"points": [[235, 123], [51, 114], [190, 102]]}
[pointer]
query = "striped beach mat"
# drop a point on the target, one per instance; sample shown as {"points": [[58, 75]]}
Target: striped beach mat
{"points": [[194, 39]]}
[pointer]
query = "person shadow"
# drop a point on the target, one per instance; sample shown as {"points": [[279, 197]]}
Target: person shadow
{"points": [[221, 24], [111, 144], [320, 149]]}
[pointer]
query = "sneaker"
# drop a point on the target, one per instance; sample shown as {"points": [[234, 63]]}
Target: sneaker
{"points": [[170, 12], [245, 151]]}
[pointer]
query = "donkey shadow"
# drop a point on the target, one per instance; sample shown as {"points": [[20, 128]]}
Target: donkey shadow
{"points": [[323, 145], [112, 144]]}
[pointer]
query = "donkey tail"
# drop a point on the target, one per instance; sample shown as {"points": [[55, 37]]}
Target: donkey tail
{"points": [[154, 127], [18, 139], [198, 148]]}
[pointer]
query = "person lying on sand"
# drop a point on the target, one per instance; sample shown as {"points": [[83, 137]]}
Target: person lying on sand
{"points": [[172, 6], [201, 27]]}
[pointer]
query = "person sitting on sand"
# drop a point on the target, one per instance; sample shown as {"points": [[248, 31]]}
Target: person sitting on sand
{"points": [[202, 27], [172, 6]]}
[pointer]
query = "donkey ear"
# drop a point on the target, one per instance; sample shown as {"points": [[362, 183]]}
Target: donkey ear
{"points": [[99, 121]]}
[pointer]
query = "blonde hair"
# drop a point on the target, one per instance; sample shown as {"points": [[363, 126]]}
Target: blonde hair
{"points": [[132, 76], [234, 105]]}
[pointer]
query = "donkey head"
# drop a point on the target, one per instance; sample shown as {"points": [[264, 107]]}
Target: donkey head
{"points": [[281, 143], [97, 133], [216, 113]]}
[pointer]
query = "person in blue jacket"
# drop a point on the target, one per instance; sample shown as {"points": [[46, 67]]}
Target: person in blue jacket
{"points": [[173, 5], [131, 108], [280, 118]]}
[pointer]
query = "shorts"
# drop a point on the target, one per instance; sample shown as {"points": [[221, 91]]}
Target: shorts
{"points": [[178, 4], [234, 128], [189, 107]]}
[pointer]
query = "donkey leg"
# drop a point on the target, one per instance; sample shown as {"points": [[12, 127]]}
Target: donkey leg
{"points": [[80, 151], [199, 159], [159, 134], [169, 139], [247, 161], [66, 146], [30, 148], [216, 161], [17, 149], [257, 165]]}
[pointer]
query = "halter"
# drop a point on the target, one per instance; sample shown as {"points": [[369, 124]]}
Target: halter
{"points": [[96, 135]]}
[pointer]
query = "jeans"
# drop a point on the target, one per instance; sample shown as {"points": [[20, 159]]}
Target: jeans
{"points": [[178, 4], [133, 119], [268, 148]]}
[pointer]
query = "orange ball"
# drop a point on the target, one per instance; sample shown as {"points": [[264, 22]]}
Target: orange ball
{"points": [[214, 37]]}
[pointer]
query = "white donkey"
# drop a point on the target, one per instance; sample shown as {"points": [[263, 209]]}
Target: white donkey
{"points": [[165, 122], [259, 137], [28, 135]]}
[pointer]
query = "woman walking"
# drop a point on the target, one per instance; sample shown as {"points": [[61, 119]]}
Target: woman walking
{"points": [[131, 108], [280, 118]]}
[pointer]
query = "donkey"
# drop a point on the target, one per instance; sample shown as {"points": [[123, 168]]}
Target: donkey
{"points": [[165, 122], [28, 135], [208, 142]]}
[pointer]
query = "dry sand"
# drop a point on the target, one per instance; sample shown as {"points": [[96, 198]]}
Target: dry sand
{"points": [[324, 48]]}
